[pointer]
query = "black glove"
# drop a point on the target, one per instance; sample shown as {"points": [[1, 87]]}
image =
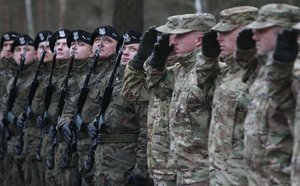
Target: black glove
{"points": [[161, 51], [52, 132], [135, 180], [210, 45], [40, 122], [21, 122], [2, 128], [92, 130], [67, 133], [2, 136], [145, 49], [244, 40], [286, 46]]}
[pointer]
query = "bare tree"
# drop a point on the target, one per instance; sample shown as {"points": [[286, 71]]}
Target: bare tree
{"points": [[62, 13], [128, 15], [29, 17]]}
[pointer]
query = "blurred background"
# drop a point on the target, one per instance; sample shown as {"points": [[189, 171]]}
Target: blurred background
{"points": [[32, 16]]}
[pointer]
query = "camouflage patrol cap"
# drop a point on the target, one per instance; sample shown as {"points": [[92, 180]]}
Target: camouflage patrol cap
{"points": [[22, 40], [59, 34], [179, 24], [79, 35], [41, 37], [269, 15], [8, 36], [297, 26], [233, 17]]}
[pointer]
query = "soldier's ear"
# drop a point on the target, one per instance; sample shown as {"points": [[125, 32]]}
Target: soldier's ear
{"points": [[91, 53]]}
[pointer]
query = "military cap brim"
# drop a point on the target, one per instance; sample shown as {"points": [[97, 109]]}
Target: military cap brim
{"points": [[260, 25], [167, 30], [224, 27], [297, 26]]}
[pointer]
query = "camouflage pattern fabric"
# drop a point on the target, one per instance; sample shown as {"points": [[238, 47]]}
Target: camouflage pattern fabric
{"points": [[269, 15], [16, 173], [268, 125], [115, 161], [295, 176], [7, 67], [158, 145], [190, 113], [67, 175], [226, 142]]}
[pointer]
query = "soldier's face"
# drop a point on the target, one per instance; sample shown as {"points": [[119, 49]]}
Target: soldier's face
{"points": [[62, 50], [44, 46], [265, 39], [5, 52], [81, 50], [30, 54], [108, 46], [185, 43], [128, 52], [227, 41]]}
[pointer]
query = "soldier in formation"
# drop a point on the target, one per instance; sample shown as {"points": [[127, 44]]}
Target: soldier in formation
{"points": [[191, 102]]}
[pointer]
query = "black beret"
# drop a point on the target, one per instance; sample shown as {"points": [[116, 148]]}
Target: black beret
{"points": [[59, 34], [105, 31], [130, 37], [8, 36], [41, 37], [79, 35], [21, 41]]}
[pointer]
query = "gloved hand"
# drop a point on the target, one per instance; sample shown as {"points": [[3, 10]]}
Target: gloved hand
{"points": [[52, 132], [286, 46], [21, 122], [40, 122], [67, 133], [2, 133], [210, 45], [161, 51], [145, 49], [2, 128], [135, 180], [244, 40], [92, 130]]}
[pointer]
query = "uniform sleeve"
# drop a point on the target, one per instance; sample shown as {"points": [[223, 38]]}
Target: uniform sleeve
{"points": [[70, 103], [134, 85], [160, 81], [141, 167]]}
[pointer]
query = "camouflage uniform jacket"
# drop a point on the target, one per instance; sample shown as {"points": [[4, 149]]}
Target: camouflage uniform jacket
{"points": [[7, 69], [226, 137], [124, 117], [268, 124], [97, 85], [57, 80], [23, 86], [190, 83], [158, 145], [295, 178]]}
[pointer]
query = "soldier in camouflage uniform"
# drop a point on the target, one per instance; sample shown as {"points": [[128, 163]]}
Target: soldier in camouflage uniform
{"points": [[269, 121], [7, 67], [22, 43], [190, 82], [295, 176], [34, 172], [79, 42], [58, 45], [121, 156], [230, 100], [104, 39], [135, 89]]}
